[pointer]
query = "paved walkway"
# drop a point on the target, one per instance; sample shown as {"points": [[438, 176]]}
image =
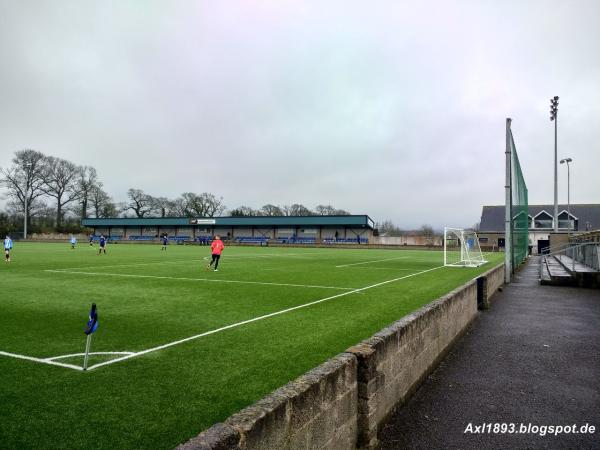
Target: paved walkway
{"points": [[534, 357]]}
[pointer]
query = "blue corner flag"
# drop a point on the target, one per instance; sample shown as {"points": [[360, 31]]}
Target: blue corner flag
{"points": [[92, 324]]}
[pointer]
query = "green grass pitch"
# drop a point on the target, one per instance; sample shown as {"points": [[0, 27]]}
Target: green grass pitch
{"points": [[149, 300]]}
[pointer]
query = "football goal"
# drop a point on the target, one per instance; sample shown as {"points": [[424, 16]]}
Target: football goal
{"points": [[461, 248]]}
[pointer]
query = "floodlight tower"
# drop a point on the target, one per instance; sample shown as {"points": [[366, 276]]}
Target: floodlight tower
{"points": [[554, 117], [562, 161]]}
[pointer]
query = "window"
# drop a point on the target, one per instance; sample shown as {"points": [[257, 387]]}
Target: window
{"points": [[543, 220], [564, 222]]}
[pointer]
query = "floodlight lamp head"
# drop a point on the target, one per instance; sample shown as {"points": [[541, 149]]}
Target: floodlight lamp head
{"points": [[556, 98]]}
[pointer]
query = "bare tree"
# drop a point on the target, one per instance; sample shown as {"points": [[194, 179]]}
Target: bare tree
{"points": [[87, 179], [325, 210], [60, 182], [24, 181], [163, 206], [242, 211], [328, 210], [297, 210], [388, 228], [140, 203], [202, 205], [428, 233], [101, 203], [179, 207], [271, 210]]}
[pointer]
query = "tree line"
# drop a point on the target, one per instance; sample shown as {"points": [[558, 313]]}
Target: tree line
{"points": [[55, 194], [388, 228]]}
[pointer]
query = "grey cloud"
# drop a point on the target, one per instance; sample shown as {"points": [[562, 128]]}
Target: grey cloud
{"points": [[393, 109]]}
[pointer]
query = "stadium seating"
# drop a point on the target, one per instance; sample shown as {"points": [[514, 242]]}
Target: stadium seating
{"points": [[96, 238], [296, 240], [141, 238], [251, 239], [345, 241], [179, 238]]}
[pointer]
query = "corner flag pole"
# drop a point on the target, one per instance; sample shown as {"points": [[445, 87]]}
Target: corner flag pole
{"points": [[88, 343], [92, 326]]}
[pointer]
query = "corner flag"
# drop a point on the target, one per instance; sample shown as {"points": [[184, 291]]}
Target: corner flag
{"points": [[92, 324]]}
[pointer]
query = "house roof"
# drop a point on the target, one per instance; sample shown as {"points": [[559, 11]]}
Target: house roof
{"points": [[492, 217], [266, 221]]}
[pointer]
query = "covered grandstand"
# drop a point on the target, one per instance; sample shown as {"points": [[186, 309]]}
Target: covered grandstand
{"points": [[350, 229]]}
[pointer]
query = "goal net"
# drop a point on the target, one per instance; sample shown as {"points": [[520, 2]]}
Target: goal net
{"points": [[461, 248]]}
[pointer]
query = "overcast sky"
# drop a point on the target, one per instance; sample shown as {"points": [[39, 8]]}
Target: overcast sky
{"points": [[388, 108]]}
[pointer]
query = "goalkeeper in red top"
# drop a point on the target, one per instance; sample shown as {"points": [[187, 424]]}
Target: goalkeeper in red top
{"points": [[216, 249]]}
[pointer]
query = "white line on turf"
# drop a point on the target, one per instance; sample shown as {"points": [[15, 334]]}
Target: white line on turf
{"points": [[40, 360], [128, 355], [83, 354], [186, 261], [212, 280], [256, 319], [368, 262]]}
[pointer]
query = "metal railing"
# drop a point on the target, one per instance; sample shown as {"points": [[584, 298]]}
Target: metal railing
{"points": [[557, 248], [587, 253]]}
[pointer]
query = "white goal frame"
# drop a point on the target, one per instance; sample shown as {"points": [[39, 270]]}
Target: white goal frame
{"points": [[470, 250]]}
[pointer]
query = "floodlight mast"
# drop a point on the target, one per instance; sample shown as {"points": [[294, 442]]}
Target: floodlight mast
{"points": [[554, 117]]}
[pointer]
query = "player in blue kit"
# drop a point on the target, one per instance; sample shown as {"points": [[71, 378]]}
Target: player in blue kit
{"points": [[102, 244], [7, 248], [165, 242]]}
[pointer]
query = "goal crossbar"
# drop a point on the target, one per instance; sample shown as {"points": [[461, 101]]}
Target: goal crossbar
{"points": [[461, 248]]}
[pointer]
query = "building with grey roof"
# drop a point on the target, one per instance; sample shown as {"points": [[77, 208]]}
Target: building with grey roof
{"points": [[582, 218]]}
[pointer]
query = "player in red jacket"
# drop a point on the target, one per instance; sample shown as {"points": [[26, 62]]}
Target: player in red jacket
{"points": [[216, 249]]}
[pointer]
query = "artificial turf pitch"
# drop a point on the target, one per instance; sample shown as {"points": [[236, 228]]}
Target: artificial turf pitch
{"points": [[148, 298]]}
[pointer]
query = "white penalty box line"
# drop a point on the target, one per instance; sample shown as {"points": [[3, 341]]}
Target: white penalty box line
{"points": [[369, 262], [52, 360], [188, 261], [211, 280], [256, 319], [129, 355]]}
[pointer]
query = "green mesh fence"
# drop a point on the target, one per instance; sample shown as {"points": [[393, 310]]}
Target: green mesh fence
{"points": [[519, 210]]}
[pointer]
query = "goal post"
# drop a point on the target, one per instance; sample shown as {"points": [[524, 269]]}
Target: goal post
{"points": [[461, 248]]}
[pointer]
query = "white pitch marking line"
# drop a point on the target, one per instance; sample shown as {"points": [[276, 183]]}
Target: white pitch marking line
{"points": [[256, 319], [125, 275], [184, 261], [83, 354], [40, 360], [368, 262]]}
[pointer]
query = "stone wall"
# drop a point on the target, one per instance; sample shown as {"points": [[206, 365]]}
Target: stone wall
{"points": [[394, 361], [317, 411], [343, 403]]}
